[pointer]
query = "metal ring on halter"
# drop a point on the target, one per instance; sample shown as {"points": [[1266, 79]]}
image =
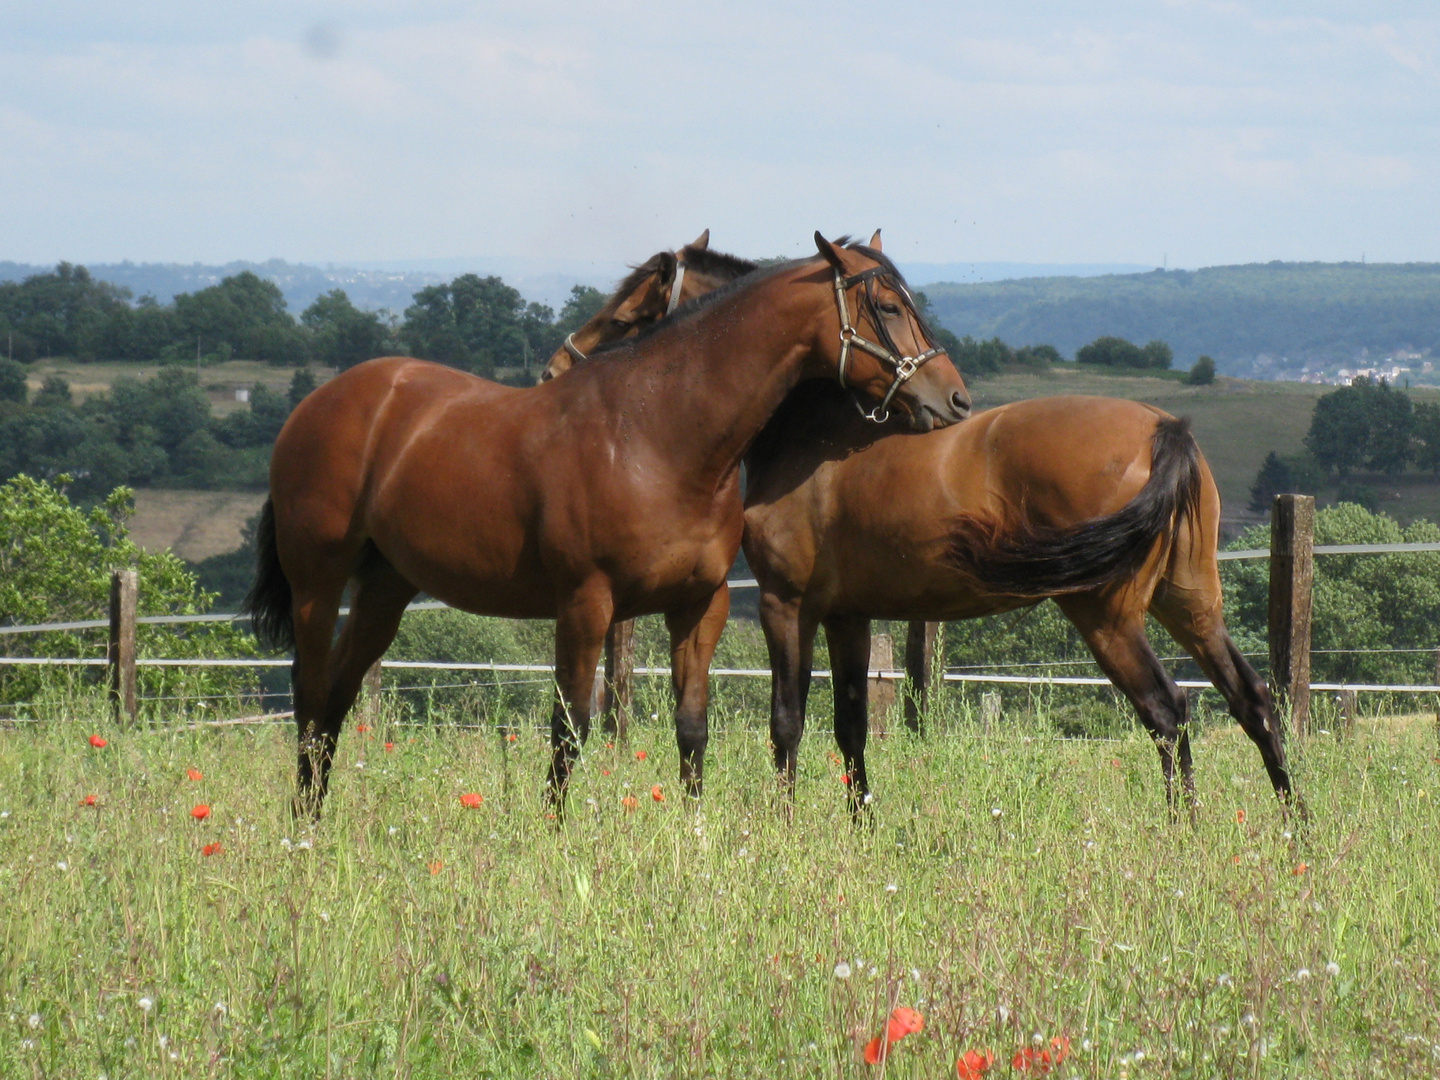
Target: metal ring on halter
{"points": [[574, 350]]}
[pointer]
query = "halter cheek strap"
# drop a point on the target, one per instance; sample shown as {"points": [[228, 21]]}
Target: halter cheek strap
{"points": [[904, 366], [674, 302], [574, 350]]}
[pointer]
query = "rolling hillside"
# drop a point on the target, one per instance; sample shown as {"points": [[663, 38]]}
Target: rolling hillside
{"points": [[1292, 312]]}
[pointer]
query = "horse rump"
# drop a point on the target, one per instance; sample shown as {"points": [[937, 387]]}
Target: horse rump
{"points": [[1034, 560], [269, 601]]}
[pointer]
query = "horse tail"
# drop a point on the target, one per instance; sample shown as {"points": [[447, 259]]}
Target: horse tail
{"points": [[269, 601], [1039, 561]]}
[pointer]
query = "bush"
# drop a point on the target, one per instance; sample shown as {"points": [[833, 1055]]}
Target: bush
{"points": [[1202, 372]]}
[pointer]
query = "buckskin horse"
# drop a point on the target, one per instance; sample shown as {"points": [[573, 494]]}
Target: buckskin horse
{"points": [[1105, 505], [612, 492]]}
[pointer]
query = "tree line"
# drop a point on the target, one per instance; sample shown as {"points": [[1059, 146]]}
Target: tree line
{"points": [[479, 324]]}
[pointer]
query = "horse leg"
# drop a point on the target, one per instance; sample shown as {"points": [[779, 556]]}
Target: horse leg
{"points": [[849, 640], [379, 597], [579, 639], [694, 633], [790, 641], [315, 607], [1116, 637], [1200, 630]]}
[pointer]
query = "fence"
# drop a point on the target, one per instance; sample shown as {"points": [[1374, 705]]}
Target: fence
{"points": [[1291, 555]]}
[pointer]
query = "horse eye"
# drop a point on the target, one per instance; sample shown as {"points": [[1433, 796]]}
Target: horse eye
{"points": [[889, 310], [620, 324]]}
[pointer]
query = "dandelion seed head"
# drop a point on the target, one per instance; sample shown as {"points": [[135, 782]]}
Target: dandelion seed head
{"points": [[145, 1004], [34, 1021], [1302, 975], [842, 970], [1332, 969]]}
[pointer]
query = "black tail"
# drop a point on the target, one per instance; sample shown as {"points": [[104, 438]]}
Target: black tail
{"points": [[1038, 561], [269, 601]]}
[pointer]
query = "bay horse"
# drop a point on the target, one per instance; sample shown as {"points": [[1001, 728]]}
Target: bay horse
{"points": [[1105, 505], [651, 291], [610, 493]]}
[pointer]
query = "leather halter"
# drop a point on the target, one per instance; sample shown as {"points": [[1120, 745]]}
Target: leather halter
{"points": [[904, 366], [674, 302]]}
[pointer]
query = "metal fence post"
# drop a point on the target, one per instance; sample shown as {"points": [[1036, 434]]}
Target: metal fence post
{"points": [[919, 671], [1292, 579], [619, 679], [120, 653]]}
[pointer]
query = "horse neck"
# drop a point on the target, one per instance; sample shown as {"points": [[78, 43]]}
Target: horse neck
{"points": [[712, 384]]}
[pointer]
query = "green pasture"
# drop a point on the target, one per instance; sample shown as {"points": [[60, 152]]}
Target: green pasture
{"points": [[1009, 887]]}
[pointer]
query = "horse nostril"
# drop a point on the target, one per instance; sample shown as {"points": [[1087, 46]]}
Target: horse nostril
{"points": [[960, 402]]}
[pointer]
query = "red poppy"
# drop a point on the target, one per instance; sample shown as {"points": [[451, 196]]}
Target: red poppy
{"points": [[640, 755], [604, 772], [212, 849], [436, 866], [629, 802], [362, 728], [89, 800], [1300, 869], [657, 794], [512, 737], [974, 1064], [845, 778], [98, 742], [1115, 761], [1239, 817], [194, 774], [471, 800], [1034, 1059], [200, 813], [389, 747], [902, 1022], [609, 746]]}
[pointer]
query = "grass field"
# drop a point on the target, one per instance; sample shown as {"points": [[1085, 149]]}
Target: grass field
{"points": [[220, 381], [195, 524], [1009, 888]]}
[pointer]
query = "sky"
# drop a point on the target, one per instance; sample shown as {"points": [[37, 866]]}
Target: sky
{"points": [[1182, 132]]}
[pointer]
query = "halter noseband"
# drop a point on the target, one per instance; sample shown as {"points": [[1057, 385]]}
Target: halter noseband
{"points": [[904, 366], [674, 302]]}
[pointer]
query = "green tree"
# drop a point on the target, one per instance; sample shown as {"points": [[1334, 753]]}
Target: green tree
{"points": [[55, 563], [1426, 423], [301, 384], [1112, 351], [12, 381], [1366, 424], [1202, 372], [1274, 478], [580, 308], [1158, 355], [344, 335]]}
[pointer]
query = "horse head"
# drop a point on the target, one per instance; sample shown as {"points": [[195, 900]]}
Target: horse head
{"points": [[884, 352], [653, 290]]}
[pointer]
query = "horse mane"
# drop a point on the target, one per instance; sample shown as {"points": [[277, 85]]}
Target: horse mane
{"points": [[1036, 561]]}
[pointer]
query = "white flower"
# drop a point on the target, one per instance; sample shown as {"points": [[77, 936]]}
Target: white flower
{"points": [[145, 1004], [220, 1009], [164, 1041], [1002, 1014], [842, 970], [325, 916], [304, 845], [1224, 979], [892, 887], [393, 830], [995, 811], [1139, 1056], [34, 1021], [61, 865], [1332, 969], [1086, 1046], [1302, 974], [285, 842]]}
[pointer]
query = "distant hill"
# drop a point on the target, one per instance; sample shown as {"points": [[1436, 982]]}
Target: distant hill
{"points": [[1292, 313]]}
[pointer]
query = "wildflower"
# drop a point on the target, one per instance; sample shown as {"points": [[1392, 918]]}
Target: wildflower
{"points": [[362, 728], [436, 866], [471, 800], [902, 1022], [194, 774], [657, 794], [845, 778], [1300, 869], [1041, 1061], [1302, 974], [200, 812], [145, 1004], [640, 755], [995, 812], [1115, 761], [303, 845], [609, 746], [1240, 817], [842, 970], [62, 865], [629, 802], [1332, 969], [98, 742], [604, 772], [34, 1021], [89, 800], [512, 737], [389, 747], [974, 1064], [212, 849]]}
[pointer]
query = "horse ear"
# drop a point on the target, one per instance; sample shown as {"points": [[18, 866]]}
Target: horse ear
{"points": [[665, 266], [833, 255], [701, 242], [875, 241]]}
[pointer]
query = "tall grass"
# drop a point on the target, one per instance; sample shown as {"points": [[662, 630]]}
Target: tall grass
{"points": [[1009, 887]]}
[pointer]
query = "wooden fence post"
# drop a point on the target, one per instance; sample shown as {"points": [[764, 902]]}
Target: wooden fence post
{"points": [[919, 671], [990, 703], [619, 679], [881, 691], [370, 687], [1292, 578], [120, 654], [1349, 709]]}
